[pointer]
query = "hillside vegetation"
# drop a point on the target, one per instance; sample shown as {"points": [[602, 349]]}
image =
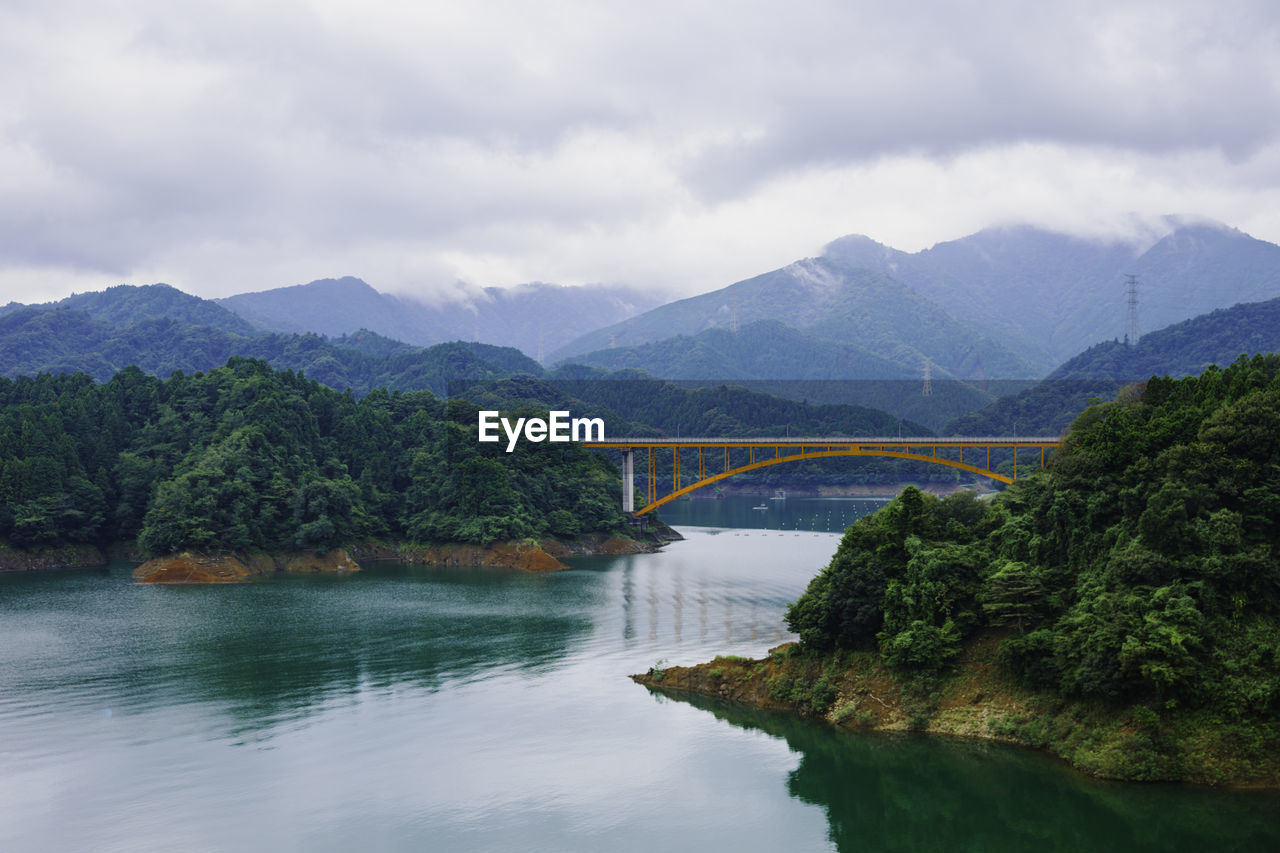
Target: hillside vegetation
{"points": [[246, 457], [67, 339], [1181, 349], [865, 320], [1130, 595]]}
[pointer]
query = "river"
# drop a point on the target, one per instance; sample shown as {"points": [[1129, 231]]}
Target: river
{"points": [[415, 708]]}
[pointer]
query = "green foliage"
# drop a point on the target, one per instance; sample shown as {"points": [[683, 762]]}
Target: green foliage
{"points": [[814, 696], [244, 456], [1142, 567], [920, 645], [658, 672], [907, 576], [161, 330]]}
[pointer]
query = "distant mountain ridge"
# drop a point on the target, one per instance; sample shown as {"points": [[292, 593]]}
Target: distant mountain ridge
{"points": [[150, 326], [125, 304], [1051, 295], [58, 338], [765, 349], [535, 318], [1003, 303], [829, 303], [1181, 349]]}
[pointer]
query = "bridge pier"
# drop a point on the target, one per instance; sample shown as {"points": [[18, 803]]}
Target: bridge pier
{"points": [[628, 482]]}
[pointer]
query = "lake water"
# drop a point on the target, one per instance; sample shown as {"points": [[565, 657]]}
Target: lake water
{"points": [[413, 708]]}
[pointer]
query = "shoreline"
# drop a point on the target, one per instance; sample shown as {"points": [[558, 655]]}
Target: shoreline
{"points": [[218, 566], [855, 690]]}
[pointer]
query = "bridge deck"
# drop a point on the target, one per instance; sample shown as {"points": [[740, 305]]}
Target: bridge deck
{"points": [[915, 448], [834, 441]]}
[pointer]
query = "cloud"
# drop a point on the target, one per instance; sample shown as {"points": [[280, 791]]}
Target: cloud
{"points": [[676, 145]]}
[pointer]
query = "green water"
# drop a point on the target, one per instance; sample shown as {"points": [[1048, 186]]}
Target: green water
{"points": [[420, 708]]}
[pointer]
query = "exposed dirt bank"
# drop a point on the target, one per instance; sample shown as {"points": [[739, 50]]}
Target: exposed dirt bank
{"points": [[530, 555], [227, 567], [856, 690], [188, 567]]}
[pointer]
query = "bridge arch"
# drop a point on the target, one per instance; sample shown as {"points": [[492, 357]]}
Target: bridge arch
{"points": [[808, 448]]}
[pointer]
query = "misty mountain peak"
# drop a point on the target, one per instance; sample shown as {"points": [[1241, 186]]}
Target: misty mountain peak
{"points": [[857, 250]]}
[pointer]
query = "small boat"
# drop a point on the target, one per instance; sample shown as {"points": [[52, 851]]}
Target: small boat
{"points": [[779, 496], [762, 506]]}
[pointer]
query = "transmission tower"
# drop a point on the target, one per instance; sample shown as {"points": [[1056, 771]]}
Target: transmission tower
{"points": [[1131, 329], [928, 378], [733, 314]]}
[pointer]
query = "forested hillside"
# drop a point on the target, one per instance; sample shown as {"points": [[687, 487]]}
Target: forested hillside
{"points": [[126, 304], [766, 349], [1181, 349], [244, 456], [772, 358], [833, 308], [66, 340], [1140, 572]]}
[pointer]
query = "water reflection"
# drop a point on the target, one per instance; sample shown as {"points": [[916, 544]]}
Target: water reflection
{"points": [[442, 708], [918, 793], [289, 647]]}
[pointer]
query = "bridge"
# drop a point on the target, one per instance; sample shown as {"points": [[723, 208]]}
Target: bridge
{"points": [[721, 458]]}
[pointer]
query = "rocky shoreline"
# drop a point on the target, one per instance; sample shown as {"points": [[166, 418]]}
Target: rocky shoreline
{"points": [[188, 567], [856, 690], [239, 567], [545, 555]]}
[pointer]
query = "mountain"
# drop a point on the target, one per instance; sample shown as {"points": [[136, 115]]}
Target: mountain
{"points": [[67, 340], [1050, 295], [337, 306], [831, 302], [1181, 349], [532, 317], [772, 358], [766, 349], [127, 304], [60, 339]]}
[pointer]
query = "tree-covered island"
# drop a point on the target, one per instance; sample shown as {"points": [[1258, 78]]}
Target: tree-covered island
{"points": [[265, 465], [1121, 609]]}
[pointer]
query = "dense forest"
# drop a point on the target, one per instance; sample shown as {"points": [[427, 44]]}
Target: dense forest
{"points": [[69, 340], [244, 456], [1140, 570]]}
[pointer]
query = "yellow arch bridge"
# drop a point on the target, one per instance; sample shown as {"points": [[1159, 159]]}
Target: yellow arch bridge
{"points": [[721, 458]]}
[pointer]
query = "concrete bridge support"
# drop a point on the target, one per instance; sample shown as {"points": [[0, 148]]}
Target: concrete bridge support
{"points": [[628, 482]]}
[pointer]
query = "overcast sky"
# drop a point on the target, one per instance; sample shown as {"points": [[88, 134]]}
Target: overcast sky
{"points": [[231, 146]]}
